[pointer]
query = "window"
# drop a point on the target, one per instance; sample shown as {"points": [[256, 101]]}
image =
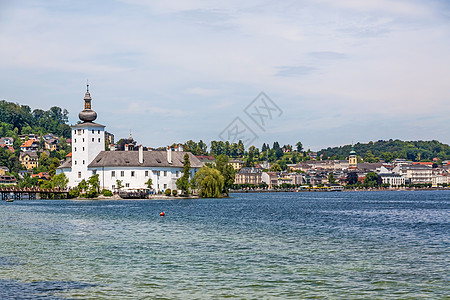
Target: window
{"points": [[75, 140], [99, 140], [94, 172], [165, 173], [113, 173], [132, 173], [79, 131], [75, 149], [83, 161], [74, 131], [83, 148], [113, 186], [158, 173], [146, 173], [165, 185], [178, 173], [75, 162], [92, 130], [79, 174], [83, 132], [99, 132], [127, 185], [92, 139], [122, 173]]}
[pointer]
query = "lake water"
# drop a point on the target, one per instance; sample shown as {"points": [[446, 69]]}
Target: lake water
{"points": [[251, 246]]}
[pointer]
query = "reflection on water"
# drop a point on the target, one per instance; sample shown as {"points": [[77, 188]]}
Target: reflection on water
{"points": [[281, 245]]}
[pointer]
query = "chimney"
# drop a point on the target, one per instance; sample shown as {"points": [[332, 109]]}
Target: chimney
{"points": [[180, 147], [141, 154], [169, 154]]}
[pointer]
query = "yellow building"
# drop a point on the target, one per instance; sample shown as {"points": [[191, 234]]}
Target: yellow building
{"points": [[29, 159], [237, 164], [352, 159], [3, 170]]}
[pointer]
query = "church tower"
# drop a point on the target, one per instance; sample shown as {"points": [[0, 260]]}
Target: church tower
{"points": [[88, 140], [352, 159]]}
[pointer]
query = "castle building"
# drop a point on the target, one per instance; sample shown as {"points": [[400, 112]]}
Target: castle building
{"points": [[131, 168]]}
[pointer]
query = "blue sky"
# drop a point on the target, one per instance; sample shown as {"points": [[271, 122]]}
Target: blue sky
{"points": [[170, 71]]}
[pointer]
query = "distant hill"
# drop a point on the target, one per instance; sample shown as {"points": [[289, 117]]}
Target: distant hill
{"points": [[392, 149]]}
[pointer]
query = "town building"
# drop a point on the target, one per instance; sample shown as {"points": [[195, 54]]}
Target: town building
{"points": [[3, 170], [248, 176], [51, 144], [6, 179], [8, 141], [132, 169], [394, 180], [417, 174], [29, 145], [29, 159], [270, 178], [237, 164]]}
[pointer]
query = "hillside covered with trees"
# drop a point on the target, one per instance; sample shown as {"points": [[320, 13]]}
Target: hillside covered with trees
{"points": [[20, 119], [391, 149]]}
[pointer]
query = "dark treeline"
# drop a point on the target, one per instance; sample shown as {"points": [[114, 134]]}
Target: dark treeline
{"points": [[20, 119], [392, 149]]}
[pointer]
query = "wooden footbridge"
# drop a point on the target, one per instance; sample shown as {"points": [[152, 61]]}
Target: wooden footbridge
{"points": [[16, 193]]}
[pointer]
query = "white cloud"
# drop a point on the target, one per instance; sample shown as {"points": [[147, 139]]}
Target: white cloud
{"points": [[323, 60]]}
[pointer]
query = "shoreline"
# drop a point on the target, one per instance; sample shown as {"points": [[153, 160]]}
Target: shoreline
{"points": [[348, 190]]}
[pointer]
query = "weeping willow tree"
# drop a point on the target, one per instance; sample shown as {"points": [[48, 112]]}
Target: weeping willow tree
{"points": [[210, 182]]}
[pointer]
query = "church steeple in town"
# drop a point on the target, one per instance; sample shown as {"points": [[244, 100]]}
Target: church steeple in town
{"points": [[352, 159]]}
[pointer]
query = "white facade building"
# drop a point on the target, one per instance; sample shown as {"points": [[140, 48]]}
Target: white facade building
{"points": [[131, 168]]}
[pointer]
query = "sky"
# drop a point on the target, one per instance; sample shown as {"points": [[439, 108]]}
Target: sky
{"points": [[331, 72]]}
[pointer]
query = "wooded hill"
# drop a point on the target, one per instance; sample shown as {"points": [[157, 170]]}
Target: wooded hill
{"points": [[392, 149], [18, 119]]}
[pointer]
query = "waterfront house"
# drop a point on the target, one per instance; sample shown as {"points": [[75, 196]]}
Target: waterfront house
{"points": [[249, 176]]}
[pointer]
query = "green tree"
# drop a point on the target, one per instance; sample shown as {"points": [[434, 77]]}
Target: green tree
{"points": [[352, 178], [331, 178], [149, 183], [372, 179], [210, 182], [275, 168], [226, 170], [119, 184], [60, 181], [183, 182], [299, 146]]}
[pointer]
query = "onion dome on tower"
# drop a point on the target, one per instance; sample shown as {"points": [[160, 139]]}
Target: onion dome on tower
{"points": [[87, 114]]}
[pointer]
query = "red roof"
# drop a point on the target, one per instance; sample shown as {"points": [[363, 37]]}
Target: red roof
{"points": [[28, 143], [423, 163], [69, 155]]}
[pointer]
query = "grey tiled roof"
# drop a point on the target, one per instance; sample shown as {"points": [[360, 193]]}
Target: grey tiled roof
{"points": [[87, 124], [151, 159]]}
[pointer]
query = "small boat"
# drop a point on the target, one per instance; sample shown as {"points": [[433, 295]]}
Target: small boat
{"points": [[9, 200]]}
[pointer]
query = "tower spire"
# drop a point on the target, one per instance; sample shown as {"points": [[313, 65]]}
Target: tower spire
{"points": [[87, 115]]}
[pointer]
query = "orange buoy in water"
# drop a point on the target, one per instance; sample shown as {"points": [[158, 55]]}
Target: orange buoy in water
{"points": [[162, 214]]}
